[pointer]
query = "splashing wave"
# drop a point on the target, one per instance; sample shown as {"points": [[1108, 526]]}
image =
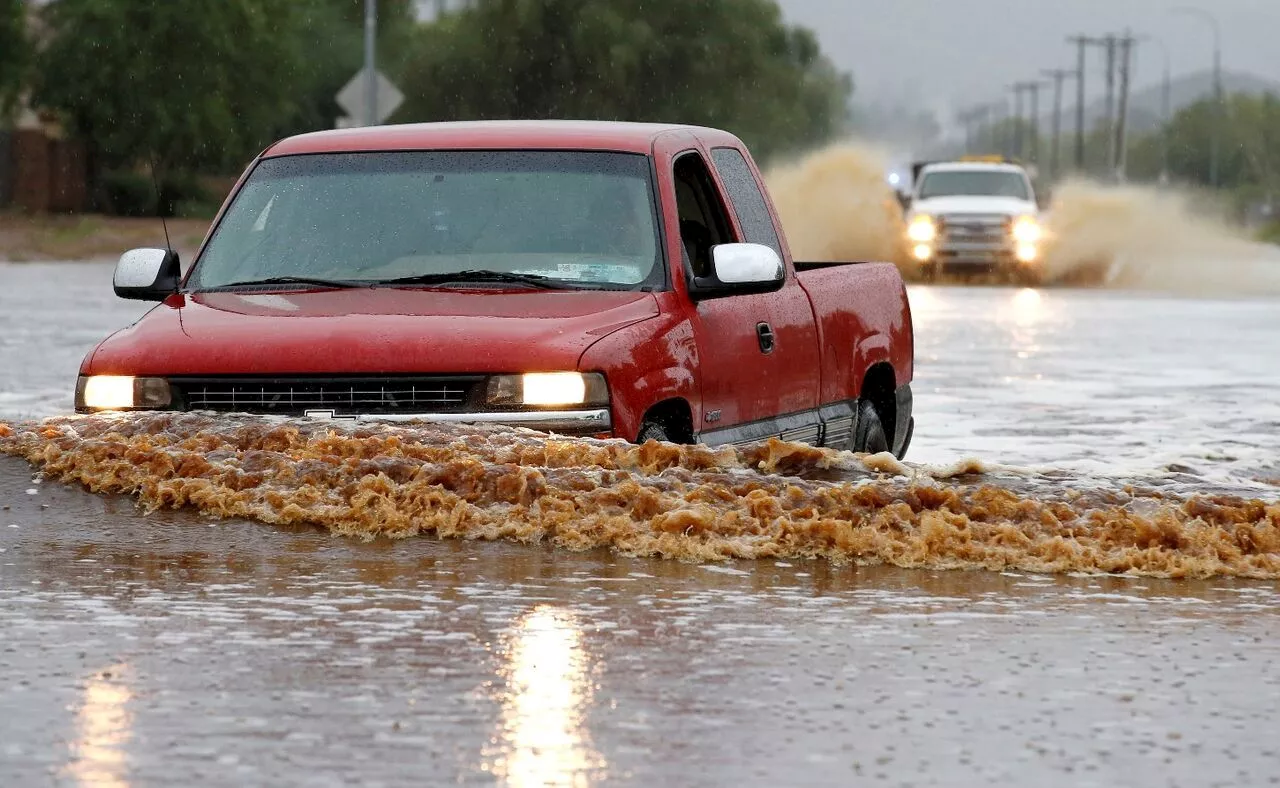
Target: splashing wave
{"points": [[771, 500]]}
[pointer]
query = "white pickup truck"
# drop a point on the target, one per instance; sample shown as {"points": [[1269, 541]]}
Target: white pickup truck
{"points": [[974, 216]]}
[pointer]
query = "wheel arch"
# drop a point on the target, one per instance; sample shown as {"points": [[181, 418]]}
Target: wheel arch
{"points": [[675, 414]]}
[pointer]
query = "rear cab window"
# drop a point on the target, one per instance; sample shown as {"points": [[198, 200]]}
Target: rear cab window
{"points": [[748, 201]]}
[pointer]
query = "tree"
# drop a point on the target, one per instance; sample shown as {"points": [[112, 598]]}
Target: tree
{"points": [[727, 63], [180, 84], [13, 52], [1250, 149]]}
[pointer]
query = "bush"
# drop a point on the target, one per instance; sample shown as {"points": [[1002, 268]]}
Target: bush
{"points": [[180, 189], [1270, 232], [127, 193], [133, 193]]}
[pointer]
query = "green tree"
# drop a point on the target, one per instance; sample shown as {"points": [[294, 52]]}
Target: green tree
{"points": [[181, 84], [726, 63], [332, 41], [13, 53]]}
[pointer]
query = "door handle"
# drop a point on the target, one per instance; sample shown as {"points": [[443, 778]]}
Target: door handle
{"points": [[764, 333]]}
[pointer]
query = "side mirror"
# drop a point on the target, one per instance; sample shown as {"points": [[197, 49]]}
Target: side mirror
{"points": [[147, 274], [904, 199], [741, 268]]}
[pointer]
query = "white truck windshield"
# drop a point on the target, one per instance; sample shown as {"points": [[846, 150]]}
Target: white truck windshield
{"points": [[977, 183]]}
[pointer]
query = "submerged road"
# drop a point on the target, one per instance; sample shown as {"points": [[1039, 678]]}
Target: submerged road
{"points": [[171, 648]]}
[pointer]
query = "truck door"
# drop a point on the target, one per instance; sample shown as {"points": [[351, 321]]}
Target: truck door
{"points": [[791, 314], [740, 352]]}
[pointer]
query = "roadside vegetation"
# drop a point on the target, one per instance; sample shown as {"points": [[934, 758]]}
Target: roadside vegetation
{"points": [[197, 89]]}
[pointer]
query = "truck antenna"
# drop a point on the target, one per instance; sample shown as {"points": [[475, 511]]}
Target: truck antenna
{"points": [[160, 206]]}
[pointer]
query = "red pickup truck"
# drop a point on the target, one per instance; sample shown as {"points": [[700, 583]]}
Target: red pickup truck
{"points": [[603, 279]]}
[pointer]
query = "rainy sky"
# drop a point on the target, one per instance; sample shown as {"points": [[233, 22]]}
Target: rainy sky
{"points": [[945, 53]]}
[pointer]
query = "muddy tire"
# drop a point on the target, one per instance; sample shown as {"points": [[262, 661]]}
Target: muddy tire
{"points": [[652, 430], [931, 273], [870, 437]]}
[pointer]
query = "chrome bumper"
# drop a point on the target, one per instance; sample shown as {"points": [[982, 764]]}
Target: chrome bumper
{"points": [[576, 422]]}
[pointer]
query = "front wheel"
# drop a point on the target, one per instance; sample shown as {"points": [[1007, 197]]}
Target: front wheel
{"points": [[870, 437], [652, 430]]}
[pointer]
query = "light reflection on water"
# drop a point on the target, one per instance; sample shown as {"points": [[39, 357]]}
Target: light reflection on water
{"points": [[542, 736], [104, 726]]}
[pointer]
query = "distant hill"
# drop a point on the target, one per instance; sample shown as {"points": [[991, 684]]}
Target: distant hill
{"points": [[1144, 104]]}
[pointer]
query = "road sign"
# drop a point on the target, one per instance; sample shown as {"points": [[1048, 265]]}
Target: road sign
{"points": [[352, 98]]}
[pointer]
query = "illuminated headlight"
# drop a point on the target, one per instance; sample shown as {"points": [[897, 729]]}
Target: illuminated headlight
{"points": [[922, 229], [121, 392], [1026, 230], [548, 389]]}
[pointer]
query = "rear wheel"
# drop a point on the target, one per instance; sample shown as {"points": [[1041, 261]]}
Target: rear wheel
{"points": [[870, 437]]}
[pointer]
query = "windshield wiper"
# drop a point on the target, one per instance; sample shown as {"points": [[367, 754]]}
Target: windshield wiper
{"points": [[296, 280], [532, 280]]}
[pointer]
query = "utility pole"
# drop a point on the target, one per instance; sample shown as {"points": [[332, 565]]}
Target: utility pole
{"points": [[370, 62], [1110, 44], [1058, 75], [1017, 120], [1120, 165], [1033, 120], [1164, 114], [1082, 43]]}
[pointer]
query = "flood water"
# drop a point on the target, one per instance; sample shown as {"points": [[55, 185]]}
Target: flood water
{"points": [[178, 647]]}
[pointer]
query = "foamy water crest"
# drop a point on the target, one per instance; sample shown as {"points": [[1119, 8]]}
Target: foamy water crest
{"points": [[836, 205], [1155, 239], [693, 503]]}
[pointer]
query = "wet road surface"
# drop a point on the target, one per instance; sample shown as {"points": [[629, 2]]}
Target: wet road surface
{"points": [[172, 648]]}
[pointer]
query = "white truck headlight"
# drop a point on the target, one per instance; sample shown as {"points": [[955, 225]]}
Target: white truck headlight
{"points": [[1026, 230], [548, 389], [121, 392], [922, 229]]}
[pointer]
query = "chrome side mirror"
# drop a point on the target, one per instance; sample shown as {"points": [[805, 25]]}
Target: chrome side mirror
{"points": [[747, 264], [147, 274]]}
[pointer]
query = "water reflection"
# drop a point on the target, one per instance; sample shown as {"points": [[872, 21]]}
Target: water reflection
{"points": [[1025, 317], [103, 727], [543, 738]]}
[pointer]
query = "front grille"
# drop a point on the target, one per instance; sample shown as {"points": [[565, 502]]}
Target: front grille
{"points": [[975, 228], [294, 396]]}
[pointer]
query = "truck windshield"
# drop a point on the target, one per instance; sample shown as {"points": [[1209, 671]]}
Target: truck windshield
{"points": [[977, 183], [581, 219]]}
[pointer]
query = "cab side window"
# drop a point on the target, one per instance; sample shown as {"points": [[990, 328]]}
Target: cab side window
{"points": [[703, 221], [748, 201]]}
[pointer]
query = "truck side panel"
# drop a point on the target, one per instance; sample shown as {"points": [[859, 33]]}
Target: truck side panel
{"points": [[864, 320]]}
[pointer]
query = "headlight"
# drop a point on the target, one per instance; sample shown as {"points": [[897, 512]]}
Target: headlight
{"points": [[121, 392], [922, 229], [548, 388], [1026, 230]]}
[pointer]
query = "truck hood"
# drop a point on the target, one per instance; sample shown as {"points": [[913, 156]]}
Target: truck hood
{"points": [[1008, 206], [367, 332]]}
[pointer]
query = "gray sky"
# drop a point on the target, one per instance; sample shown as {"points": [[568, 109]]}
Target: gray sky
{"points": [[947, 53]]}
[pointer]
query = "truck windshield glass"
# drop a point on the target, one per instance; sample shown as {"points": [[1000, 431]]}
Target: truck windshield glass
{"points": [[581, 219], [975, 183]]}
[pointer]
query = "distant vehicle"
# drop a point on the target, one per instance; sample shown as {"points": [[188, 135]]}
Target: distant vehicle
{"points": [[603, 279], [977, 214]]}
